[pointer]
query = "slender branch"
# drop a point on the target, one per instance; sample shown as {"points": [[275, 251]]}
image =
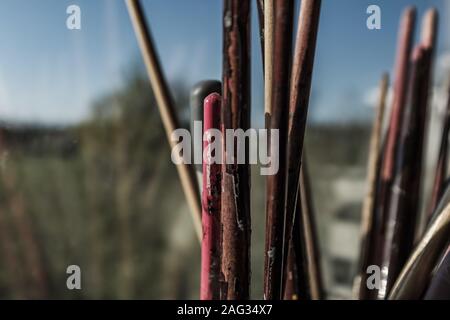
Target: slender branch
{"points": [[405, 41], [304, 283], [405, 38], [276, 183], [300, 89], [403, 206], [166, 106], [235, 210], [405, 194]]}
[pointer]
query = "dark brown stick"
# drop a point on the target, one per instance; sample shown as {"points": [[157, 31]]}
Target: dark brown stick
{"points": [[406, 32], [405, 193], [402, 209], [235, 211], [304, 283], [400, 89], [300, 89], [276, 183]]}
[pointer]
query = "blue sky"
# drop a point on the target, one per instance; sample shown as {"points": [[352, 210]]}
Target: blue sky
{"points": [[50, 74]]}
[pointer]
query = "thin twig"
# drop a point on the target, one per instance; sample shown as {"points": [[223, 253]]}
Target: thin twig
{"points": [[403, 205], [300, 89], [276, 183], [235, 210], [304, 283], [166, 107], [405, 39]]}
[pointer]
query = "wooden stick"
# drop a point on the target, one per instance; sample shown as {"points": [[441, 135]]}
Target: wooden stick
{"points": [[317, 291], [428, 42], [405, 38], [404, 203], [367, 229], [276, 183], [430, 29], [210, 269], [304, 283], [405, 194], [166, 107], [400, 89], [300, 89], [235, 211]]}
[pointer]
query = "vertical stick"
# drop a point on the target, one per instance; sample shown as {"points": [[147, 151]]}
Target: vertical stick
{"points": [[166, 107], [367, 230], [400, 89], [235, 210], [198, 95], [210, 269], [304, 244], [276, 183], [405, 193], [405, 38], [403, 205], [307, 214], [300, 89]]}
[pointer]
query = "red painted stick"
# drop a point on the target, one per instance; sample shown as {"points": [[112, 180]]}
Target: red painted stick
{"points": [[210, 269]]}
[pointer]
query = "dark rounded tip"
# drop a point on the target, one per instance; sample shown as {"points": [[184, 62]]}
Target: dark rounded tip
{"points": [[198, 94], [202, 89]]}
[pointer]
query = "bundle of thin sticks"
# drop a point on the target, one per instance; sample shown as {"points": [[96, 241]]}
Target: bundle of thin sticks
{"points": [[410, 258], [391, 237]]}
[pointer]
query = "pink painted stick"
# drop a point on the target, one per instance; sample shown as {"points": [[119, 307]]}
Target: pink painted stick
{"points": [[210, 268]]}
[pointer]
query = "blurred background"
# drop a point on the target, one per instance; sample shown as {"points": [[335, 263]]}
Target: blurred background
{"points": [[85, 170]]}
